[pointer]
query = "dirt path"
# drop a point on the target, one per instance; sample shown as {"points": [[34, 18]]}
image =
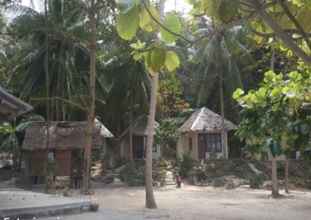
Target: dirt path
{"points": [[199, 203]]}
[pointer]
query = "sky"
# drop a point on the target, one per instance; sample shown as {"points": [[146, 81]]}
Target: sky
{"points": [[179, 5]]}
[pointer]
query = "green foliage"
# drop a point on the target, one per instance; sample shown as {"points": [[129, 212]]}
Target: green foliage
{"points": [[146, 23], [135, 14], [128, 23], [133, 174], [256, 181], [167, 136], [170, 100], [185, 165], [217, 59], [222, 11], [171, 61], [10, 133], [171, 22], [273, 117]]}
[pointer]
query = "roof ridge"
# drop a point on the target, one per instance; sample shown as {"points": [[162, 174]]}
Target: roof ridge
{"points": [[197, 118]]}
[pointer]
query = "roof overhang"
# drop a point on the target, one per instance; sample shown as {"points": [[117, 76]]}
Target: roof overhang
{"points": [[11, 106]]}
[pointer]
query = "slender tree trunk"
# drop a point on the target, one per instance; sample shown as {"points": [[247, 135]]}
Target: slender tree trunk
{"points": [[150, 200], [131, 132], [286, 175], [91, 110], [274, 168], [274, 177], [48, 111], [222, 113]]}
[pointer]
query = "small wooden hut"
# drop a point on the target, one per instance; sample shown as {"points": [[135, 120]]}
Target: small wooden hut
{"points": [[63, 147], [139, 132], [201, 136], [11, 107]]}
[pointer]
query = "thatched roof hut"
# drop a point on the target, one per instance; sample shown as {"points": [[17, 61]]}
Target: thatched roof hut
{"points": [[65, 149], [11, 107], [139, 130], [62, 135], [139, 126], [201, 135], [206, 120]]}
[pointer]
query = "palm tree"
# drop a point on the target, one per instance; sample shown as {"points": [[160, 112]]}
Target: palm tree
{"points": [[51, 42], [217, 67], [59, 47]]}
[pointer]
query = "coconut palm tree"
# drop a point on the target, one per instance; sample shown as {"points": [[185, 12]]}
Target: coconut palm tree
{"points": [[52, 41], [217, 69]]}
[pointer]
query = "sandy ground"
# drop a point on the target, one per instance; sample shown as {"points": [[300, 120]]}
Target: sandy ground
{"points": [[197, 203]]}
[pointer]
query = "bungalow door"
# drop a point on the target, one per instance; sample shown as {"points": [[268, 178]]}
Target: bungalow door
{"points": [[138, 147]]}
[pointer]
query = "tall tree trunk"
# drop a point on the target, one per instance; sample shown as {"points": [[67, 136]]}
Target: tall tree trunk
{"points": [[150, 200], [48, 111], [131, 132], [274, 168], [274, 177], [222, 113], [286, 175], [91, 110]]}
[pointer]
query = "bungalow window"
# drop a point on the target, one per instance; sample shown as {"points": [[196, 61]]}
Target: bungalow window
{"points": [[213, 143], [209, 143]]}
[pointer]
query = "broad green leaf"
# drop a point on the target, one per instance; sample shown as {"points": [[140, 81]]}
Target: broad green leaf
{"points": [[127, 24], [146, 22], [172, 23], [237, 94], [156, 59], [171, 61]]}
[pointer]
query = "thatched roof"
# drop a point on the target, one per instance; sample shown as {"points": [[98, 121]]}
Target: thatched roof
{"points": [[205, 120], [62, 135], [11, 107], [139, 126]]}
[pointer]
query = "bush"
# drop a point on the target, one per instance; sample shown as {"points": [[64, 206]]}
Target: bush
{"points": [[133, 174], [185, 165], [256, 182]]}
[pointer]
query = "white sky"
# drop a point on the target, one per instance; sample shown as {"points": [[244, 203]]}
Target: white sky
{"points": [[178, 5]]}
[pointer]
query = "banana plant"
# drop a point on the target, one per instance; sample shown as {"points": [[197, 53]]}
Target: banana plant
{"points": [[12, 135]]}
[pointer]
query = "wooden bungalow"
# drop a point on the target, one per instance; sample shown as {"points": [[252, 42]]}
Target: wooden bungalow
{"points": [[63, 148], [11, 107], [139, 133], [201, 136]]}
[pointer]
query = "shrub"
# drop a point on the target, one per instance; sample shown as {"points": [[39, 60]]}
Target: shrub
{"points": [[185, 165], [255, 182], [133, 174]]}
